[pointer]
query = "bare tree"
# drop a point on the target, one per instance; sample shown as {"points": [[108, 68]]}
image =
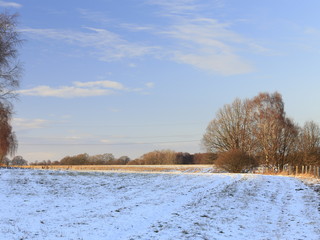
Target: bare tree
{"points": [[10, 70], [9, 80], [257, 127], [159, 157], [274, 132], [309, 143], [231, 129], [8, 141], [123, 160], [5, 161], [19, 161], [183, 158], [288, 142], [80, 159], [101, 159]]}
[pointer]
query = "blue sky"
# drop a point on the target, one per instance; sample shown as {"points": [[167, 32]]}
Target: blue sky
{"points": [[132, 76]]}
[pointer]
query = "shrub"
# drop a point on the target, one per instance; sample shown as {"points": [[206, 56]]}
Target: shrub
{"points": [[235, 161], [204, 158]]}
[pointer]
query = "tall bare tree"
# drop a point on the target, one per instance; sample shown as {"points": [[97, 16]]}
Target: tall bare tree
{"points": [[10, 69], [8, 141], [309, 143], [257, 127], [274, 132], [288, 144], [231, 129], [10, 72]]}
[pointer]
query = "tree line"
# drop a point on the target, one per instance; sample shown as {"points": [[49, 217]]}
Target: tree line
{"points": [[86, 159], [170, 157], [157, 157], [257, 131]]}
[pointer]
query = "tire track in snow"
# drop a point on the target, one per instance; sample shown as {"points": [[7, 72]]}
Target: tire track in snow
{"points": [[155, 211], [245, 207]]}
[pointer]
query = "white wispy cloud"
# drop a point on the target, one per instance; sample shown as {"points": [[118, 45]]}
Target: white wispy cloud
{"points": [[203, 31], [80, 89], [101, 19], [208, 44], [176, 7], [312, 31], [27, 124], [224, 64], [10, 4], [150, 84], [136, 28], [64, 92], [105, 141], [105, 84], [204, 42], [108, 46], [192, 37], [95, 16]]}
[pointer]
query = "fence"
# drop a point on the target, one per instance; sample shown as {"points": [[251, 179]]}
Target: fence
{"points": [[313, 171]]}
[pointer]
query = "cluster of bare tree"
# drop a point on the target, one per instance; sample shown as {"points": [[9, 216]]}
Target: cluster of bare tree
{"points": [[158, 157], [259, 128], [86, 159], [15, 161], [169, 157], [9, 81]]}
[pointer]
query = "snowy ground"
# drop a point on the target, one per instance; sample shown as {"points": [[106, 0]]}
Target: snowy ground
{"points": [[88, 205]]}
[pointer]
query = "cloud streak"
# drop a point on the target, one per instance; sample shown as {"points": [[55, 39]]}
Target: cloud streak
{"points": [[201, 41], [108, 46], [20, 124], [208, 45], [191, 38], [105, 84], [80, 89], [10, 4], [64, 92], [176, 7]]}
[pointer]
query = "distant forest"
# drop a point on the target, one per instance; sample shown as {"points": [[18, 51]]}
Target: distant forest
{"points": [[158, 157]]}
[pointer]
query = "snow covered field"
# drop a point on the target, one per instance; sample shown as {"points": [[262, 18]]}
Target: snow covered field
{"points": [[39, 204]]}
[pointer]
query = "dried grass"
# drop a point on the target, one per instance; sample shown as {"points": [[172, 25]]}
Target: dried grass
{"points": [[129, 168]]}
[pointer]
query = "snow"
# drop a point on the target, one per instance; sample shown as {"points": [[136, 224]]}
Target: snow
{"points": [[39, 204]]}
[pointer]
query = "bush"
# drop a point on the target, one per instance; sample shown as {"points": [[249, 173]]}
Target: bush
{"points": [[204, 158], [235, 161]]}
